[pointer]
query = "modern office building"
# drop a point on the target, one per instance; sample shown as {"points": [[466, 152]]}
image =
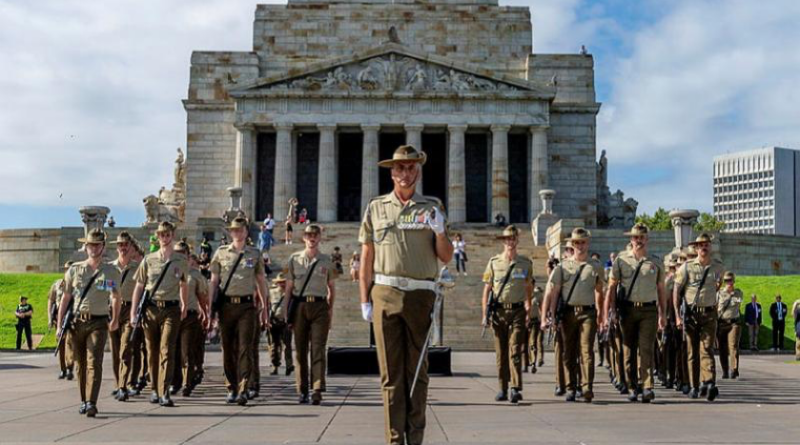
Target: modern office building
{"points": [[758, 191]]}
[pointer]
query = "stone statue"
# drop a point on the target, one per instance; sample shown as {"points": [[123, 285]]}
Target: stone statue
{"points": [[416, 79], [458, 81], [157, 212], [180, 170], [366, 79], [629, 211], [602, 169], [442, 81], [613, 210]]}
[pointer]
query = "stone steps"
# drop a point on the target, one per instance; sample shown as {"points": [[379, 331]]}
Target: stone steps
{"points": [[462, 311]]}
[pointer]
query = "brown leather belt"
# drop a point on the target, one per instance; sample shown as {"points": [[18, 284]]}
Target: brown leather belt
{"points": [[238, 299], [163, 304], [310, 299], [516, 305]]}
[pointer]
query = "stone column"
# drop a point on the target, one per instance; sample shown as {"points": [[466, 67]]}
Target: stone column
{"points": [[326, 191], [456, 189], [246, 166], [545, 218], [369, 165], [538, 168], [500, 171], [683, 222], [284, 165], [414, 137], [94, 218]]}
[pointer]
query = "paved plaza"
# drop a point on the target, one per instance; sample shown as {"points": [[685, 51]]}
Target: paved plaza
{"points": [[761, 407]]}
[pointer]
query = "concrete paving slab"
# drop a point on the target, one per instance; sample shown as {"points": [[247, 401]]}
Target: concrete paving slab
{"points": [[760, 407]]}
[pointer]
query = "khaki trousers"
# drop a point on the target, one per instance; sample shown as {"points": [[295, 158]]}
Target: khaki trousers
{"points": [[509, 340], [65, 361], [639, 328], [536, 343], [280, 344], [579, 330], [701, 331], [191, 333], [561, 369], [311, 325], [618, 355], [255, 372], [236, 330], [401, 320], [728, 335], [161, 326], [128, 352], [88, 339]]}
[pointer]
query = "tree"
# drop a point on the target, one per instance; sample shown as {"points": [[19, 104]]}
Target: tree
{"points": [[660, 221], [708, 223]]}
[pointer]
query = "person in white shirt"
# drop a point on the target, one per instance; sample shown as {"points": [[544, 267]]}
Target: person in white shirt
{"points": [[460, 252]]}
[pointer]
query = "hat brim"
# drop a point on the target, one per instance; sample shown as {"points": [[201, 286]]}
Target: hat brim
{"points": [[388, 163], [87, 241], [694, 243], [582, 238], [278, 281], [635, 234], [506, 236]]}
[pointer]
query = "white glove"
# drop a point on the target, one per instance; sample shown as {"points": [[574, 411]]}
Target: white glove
{"points": [[366, 312], [436, 221]]}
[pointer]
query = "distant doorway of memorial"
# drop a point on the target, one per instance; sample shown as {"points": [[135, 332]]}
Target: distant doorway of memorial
{"points": [[350, 148], [265, 176], [388, 143], [518, 173], [434, 172], [477, 174], [307, 171]]}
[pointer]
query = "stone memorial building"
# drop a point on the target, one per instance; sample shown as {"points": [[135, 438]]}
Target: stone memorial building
{"points": [[332, 86]]}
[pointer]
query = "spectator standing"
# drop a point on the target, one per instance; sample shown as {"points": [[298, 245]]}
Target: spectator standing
{"points": [[24, 314], [111, 223], [778, 311], [303, 218], [337, 259], [205, 248], [752, 318], [265, 240], [460, 252], [500, 220], [269, 223], [288, 236], [355, 266]]}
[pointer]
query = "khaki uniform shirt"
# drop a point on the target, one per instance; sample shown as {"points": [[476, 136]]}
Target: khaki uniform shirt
{"points": [[197, 286], [98, 297], [276, 301], [521, 277], [126, 287], [244, 279], [56, 292], [645, 290], [565, 273], [692, 272], [325, 271], [729, 304], [669, 286], [405, 246], [150, 269]]}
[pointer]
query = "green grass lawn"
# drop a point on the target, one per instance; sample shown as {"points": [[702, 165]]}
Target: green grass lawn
{"points": [[766, 288], [35, 287]]}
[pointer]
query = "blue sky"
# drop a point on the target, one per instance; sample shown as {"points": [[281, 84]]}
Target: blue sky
{"points": [[92, 90]]}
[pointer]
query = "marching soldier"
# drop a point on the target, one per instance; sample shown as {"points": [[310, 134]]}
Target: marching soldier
{"points": [[729, 301], [191, 327], [536, 340], [163, 274], [697, 283], [122, 349], [578, 281], [280, 337], [310, 282], [510, 277], [64, 350], [641, 312], [669, 336], [237, 280], [89, 286], [403, 236]]}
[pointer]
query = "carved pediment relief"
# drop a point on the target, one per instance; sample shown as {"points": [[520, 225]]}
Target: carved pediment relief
{"points": [[393, 68], [393, 72]]}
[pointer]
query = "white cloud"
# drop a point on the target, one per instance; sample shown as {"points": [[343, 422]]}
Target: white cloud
{"points": [[92, 93], [708, 78]]}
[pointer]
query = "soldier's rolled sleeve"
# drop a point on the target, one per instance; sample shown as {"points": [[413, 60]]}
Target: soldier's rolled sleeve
{"points": [[487, 274], [215, 267], [141, 272], [555, 277], [616, 270], [68, 281], [598, 270], [259, 266], [366, 231], [290, 270], [184, 269]]}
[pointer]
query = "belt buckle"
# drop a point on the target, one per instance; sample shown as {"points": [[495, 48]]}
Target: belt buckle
{"points": [[236, 300], [310, 299], [637, 304], [507, 305], [578, 309], [403, 282], [161, 304]]}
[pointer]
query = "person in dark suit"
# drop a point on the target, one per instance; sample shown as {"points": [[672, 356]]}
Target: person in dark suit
{"points": [[778, 313], [752, 318]]}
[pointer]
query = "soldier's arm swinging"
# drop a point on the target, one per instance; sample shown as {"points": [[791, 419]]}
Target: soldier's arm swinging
{"points": [[550, 302], [676, 303], [663, 300], [528, 302], [365, 274], [444, 248], [611, 298], [263, 295], [599, 301], [184, 295], [62, 307], [213, 288], [331, 298], [137, 295], [116, 306], [484, 301]]}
